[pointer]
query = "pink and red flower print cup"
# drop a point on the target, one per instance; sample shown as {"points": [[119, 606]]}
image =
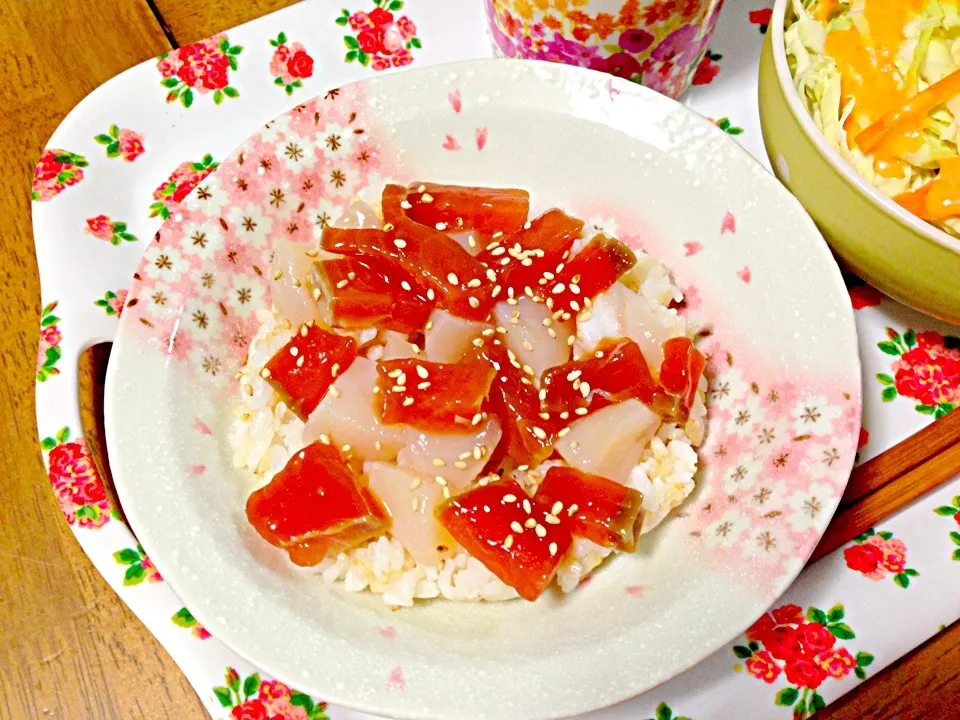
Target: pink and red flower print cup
{"points": [[657, 43]]}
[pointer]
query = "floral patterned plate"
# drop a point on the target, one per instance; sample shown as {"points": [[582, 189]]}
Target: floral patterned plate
{"points": [[671, 183]]}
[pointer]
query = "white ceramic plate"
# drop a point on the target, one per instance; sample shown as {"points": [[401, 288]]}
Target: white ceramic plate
{"points": [[782, 357]]}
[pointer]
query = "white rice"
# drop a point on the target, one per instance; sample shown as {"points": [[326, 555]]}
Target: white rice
{"points": [[266, 434]]}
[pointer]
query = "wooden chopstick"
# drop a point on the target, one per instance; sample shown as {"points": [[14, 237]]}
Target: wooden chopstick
{"points": [[879, 496], [896, 461]]}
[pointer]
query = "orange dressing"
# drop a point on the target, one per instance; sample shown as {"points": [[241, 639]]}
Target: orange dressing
{"points": [[888, 118], [939, 199], [869, 75]]}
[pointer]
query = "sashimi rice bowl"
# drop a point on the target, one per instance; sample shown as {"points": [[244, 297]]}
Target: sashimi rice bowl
{"points": [[450, 398], [412, 392]]}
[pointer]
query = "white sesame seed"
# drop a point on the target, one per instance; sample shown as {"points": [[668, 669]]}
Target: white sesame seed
{"points": [[539, 432], [415, 504], [472, 241], [311, 253], [581, 411], [558, 288], [424, 385], [441, 480], [334, 391], [516, 527], [557, 508], [528, 291], [572, 509], [460, 465], [574, 374], [526, 262], [453, 279], [378, 445], [415, 483], [431, 295], [510, 497], [530, 523], [508, 543], [398, 388], [395, 373], [415, 348], [317, 294], [476, 419], [523, 468], [248, 389], [441, 226], [405, 205], [585, 389], [527, 345], [402, 379], [400, 243], [553, 549], [497, 234], [575, 305], [335, 369], [571, 340], [324, 438], [408, 401], [342, 284], [300, 361], [304, 330], [551, 519], [526, 225], [406, 286], [474, 303], [388, 227], [501, 329], [478, 451], [446, 493], [475, 283], [498, 251], [426, 197], [564, 415], [562, 432], [437, 462], [544, 416], [346, 448], [541, 530], [528, 370]]}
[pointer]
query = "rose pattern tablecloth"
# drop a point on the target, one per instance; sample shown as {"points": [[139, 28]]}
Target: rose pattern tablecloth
{"points": [[128, 154]]}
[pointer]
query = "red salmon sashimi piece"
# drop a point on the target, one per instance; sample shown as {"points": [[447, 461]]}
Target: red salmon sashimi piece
{"points": [[591, 271], [364, 292], [304, 369], [593, 507], [681, 370], [430, 396], [459, 280], [312, 552], [527, 438], [492, 524], [617, 371], [314, 504], [453, 277], [456, 208], [521, 259]]}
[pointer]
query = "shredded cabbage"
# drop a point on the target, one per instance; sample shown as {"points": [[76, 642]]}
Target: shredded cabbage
{"points": [[929, 52]]}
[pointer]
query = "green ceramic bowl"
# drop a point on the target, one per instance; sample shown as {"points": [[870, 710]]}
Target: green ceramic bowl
{"points": [[901, 255]]}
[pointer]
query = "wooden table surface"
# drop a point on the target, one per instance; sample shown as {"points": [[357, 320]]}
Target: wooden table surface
{"points": [[68, 647]]}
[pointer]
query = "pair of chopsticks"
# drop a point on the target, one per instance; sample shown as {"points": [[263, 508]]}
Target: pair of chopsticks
{"points": [[892, 480]]}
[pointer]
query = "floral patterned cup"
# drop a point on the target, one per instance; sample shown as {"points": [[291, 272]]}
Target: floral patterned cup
{"points": [[657, 43]]}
